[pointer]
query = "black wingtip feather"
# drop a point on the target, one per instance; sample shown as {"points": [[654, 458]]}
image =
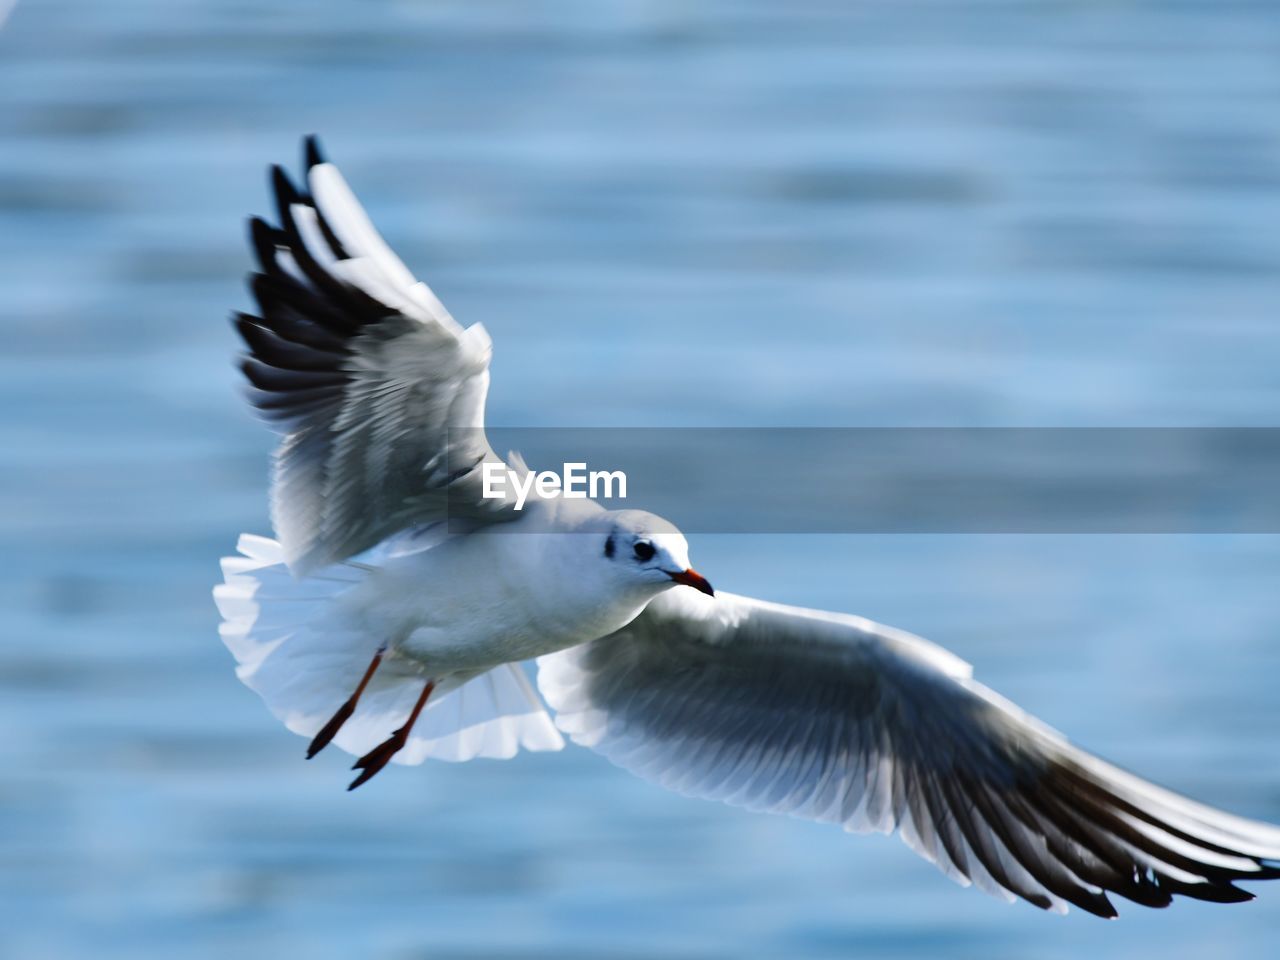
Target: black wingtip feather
{"points": [[358, 307], [270, 347], [312, 153], [283, 380], [1211, 892], [999, 815], [283, 187], [264, 238], [1116, 874], [283, 301]]}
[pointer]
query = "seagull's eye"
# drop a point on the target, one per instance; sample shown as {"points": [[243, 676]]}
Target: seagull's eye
{"points": [[644, 550]]}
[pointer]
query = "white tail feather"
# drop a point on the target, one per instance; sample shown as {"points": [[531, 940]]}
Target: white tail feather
{"points": [[294, 646]]}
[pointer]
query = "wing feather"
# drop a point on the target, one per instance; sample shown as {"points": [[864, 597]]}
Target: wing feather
{"points": [[378, 393], [838, 719]]}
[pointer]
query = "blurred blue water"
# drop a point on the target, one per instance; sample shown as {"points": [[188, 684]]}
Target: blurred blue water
{"points": [[746, 213]]}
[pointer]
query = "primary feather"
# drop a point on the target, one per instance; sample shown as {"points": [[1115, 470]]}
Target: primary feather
{"points": [[835, 718], [377, 392]]}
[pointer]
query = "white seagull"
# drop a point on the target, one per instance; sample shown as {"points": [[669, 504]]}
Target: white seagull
{"points": [[391, 616]]}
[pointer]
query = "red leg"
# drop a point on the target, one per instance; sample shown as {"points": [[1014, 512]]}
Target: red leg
{"points": [[379, 756], [330, 729]]}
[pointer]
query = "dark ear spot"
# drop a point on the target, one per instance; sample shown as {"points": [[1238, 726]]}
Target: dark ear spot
{"points": [[609, 547]]}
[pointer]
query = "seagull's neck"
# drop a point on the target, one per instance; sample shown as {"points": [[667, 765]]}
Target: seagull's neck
{"points": [[578, 597]]}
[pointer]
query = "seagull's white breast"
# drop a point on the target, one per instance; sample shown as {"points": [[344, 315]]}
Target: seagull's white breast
{"points": [[511, 593]]}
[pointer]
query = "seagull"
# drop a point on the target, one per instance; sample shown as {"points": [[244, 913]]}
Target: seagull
{"points": [[393, 610]]}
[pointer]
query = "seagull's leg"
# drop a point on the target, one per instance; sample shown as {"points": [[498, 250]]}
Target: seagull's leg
{"points": [[377, 758], [330, 729]]}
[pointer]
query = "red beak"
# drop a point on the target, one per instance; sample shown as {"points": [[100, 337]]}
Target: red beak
{"points": [[692, 578]]}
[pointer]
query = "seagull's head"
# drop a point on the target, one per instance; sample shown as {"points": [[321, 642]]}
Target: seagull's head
{"points": [[644, 549]]}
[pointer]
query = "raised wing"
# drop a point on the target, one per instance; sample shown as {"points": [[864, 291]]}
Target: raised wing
{"points": [[377, 392], [838, 719]]}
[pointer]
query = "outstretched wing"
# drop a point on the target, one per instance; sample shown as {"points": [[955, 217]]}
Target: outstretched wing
{"points": [[835, 718], [377, 392]]}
